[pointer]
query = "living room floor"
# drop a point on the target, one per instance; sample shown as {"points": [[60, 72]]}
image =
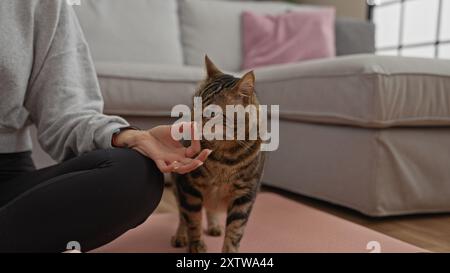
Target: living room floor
{"points": [[431, 232]]}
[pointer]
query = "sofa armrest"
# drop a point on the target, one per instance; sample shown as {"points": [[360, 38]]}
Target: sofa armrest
{"points": [[354, 36]]}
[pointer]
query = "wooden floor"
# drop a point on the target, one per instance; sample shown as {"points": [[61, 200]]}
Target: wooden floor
{"points": [[431, 232]]}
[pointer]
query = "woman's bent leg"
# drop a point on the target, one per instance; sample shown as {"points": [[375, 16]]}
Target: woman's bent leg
{"points": [[91, 199]]}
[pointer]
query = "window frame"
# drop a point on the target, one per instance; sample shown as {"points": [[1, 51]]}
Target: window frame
{"points": [[436, 43]]}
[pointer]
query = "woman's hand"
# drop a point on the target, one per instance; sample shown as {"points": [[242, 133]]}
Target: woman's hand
{"points": [[168, 153]]}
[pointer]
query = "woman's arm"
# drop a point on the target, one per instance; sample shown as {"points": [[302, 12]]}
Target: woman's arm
{"points": [[65, 102], [63, 96]]}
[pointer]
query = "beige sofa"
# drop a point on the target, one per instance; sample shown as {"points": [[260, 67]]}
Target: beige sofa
{"points": [[367, 132]]}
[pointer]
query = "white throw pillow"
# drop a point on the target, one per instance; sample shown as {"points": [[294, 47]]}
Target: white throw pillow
{"points": [[213, 27], [143, 31]]}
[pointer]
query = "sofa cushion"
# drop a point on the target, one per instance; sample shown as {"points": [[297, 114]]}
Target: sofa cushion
{"points": [[213, 27], [360, 90], [145, 89], [277, 39], [354, 36], [145, 31]]}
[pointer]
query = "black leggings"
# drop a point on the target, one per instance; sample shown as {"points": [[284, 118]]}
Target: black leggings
{"points": [[91, 199]]}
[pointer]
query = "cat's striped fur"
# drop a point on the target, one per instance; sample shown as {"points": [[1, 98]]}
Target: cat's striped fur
{"points": [[230, 177]]}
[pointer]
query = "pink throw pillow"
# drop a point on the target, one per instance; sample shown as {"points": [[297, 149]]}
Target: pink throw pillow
{"points": [[288, 37]]}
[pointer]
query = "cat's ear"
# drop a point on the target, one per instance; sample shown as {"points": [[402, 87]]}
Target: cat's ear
{"points": [[211, 69], [246, 84]]}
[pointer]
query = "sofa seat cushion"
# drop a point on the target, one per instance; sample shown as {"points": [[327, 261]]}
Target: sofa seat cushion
{"points": [[146, 90], [360, 90]]}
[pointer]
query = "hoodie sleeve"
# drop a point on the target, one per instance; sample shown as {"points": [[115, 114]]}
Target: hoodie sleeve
{"points": [[63, 97]]}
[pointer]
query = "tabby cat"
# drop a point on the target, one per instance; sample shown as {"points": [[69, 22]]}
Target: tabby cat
{"points": [[230, 177]]}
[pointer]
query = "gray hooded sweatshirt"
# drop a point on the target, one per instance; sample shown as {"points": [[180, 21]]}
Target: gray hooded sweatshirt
{"points": [[47, 78]]}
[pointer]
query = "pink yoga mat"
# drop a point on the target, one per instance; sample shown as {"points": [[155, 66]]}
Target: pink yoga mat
{"points": [[277, 224]]}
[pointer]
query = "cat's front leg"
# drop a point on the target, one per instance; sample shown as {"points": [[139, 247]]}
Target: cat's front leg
{"points": [[190, 204], [180, 239], [194, 224], [238, 213]]}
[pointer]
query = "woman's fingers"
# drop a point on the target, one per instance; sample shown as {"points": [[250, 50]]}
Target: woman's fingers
{"points": [[194, 148], [187, 167], [203, 155], [174, 131], [181, 167], [182, 164], [163, 167], [169, 154], [175, 165], [188, 164]]}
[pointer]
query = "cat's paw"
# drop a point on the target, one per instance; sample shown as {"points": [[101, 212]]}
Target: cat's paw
{"points": [[214, 231], [179, 241], [230, 249], [197, 247]]}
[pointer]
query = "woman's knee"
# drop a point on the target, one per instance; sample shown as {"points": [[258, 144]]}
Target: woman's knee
{"points": [[142, 177]]}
